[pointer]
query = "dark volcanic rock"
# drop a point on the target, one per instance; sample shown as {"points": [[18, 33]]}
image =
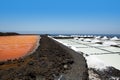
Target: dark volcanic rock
{"points": [[8, 33], [49, 61], [107, 74], [64, 37]]}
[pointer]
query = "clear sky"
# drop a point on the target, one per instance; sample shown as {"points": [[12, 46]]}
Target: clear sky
{"points": [[60, 16]]}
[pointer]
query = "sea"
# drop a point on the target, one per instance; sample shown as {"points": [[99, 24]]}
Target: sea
{"points": [[102, 35]]}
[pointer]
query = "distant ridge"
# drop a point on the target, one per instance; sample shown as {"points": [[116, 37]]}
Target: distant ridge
{"points": [[8, 33]]}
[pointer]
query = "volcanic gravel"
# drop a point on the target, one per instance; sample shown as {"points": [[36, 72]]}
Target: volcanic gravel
{"points": [[46, 63]]}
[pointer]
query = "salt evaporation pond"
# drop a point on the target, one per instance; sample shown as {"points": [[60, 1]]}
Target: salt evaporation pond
{"points": [[110, 59], [103, 55], [13, 47]]}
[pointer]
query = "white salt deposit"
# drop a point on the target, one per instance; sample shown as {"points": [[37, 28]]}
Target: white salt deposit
{"points": [[97, 37], [100, 55], [96, 41], [112, 59], [109, 43], [76, 38], [74, 35], [112, 49], [74, 48], [81, 39], [91, 51], [105, 38], [87, 40], [96, 63], [85, 36], [62, 36], [114, 38]]}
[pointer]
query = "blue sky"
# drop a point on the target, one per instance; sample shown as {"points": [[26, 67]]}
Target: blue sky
{"points": [[60, 16]]}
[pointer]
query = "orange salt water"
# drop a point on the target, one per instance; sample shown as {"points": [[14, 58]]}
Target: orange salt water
{"points": [[12, 47]]}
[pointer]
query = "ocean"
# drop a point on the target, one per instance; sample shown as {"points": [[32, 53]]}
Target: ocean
{"points": [[108, 35]]}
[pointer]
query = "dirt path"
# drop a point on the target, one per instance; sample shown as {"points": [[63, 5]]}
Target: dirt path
{"points": [[79, 70]]}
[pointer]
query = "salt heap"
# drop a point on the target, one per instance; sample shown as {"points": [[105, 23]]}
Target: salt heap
{"points": [[114, 38], [97, 37], [85, 36], [105, 38]]}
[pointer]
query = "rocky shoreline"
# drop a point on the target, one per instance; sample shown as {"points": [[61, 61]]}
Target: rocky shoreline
{"points": [[50, 61]]}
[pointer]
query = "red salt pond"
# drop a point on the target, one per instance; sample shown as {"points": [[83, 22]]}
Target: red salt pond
{"points": [[12, 47]]}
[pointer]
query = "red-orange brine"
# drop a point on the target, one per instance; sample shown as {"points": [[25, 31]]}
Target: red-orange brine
{"points": [[12, 47]]}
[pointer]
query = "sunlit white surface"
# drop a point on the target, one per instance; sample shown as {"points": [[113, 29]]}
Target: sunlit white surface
{"points": [[96, 41], [80, 46], [94, 62], [87, 40], [109, 43], [91, 50], [98, 45], [114, 38], [112, 49], [81, 39], [105, 38], [97, 37], [110, 59], [100, 55]]}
